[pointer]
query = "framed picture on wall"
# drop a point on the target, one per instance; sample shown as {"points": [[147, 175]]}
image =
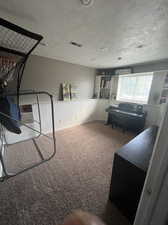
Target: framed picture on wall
{"points": [[66, 91], [73, 91]]}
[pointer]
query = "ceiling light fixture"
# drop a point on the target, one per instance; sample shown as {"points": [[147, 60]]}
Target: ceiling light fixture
{"points": [[86, 2]]}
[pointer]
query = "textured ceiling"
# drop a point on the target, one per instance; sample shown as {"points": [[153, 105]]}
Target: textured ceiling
{"points": [[113, 32]]}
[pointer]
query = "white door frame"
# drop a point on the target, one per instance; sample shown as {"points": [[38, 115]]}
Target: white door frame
{"points": [[155, 180]]}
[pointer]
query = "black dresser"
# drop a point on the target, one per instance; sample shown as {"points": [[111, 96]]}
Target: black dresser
{"points": [[129, 116], [129, 171]]}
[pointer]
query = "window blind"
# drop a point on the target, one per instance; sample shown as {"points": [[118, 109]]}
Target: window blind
{"points": [[134, 87]]}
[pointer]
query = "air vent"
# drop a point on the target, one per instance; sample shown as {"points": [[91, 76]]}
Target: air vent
{"points": [[140, 46], [76, 44]]}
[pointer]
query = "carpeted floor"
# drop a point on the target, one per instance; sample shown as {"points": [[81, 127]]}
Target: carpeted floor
{"points": [[78, 177]]}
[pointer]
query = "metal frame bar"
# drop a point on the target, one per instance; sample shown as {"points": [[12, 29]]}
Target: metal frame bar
{"points": [[22, 31], [9, 175], [19, 29], [39, 116], [22, 62]]}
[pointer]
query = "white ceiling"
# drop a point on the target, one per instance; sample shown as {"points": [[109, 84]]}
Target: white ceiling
{"points": [[108, 30]]}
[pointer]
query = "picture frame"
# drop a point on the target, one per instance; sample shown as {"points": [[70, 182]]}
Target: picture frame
{"points": [[66, 91]]}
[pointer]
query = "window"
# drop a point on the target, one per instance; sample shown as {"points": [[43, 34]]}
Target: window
{"points": [[134, 87]]}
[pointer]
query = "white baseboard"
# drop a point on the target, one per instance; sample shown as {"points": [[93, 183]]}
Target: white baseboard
{"points": [[74, 125]]}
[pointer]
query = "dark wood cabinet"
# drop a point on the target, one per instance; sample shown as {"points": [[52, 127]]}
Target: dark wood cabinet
{"points": [[129, 171]]}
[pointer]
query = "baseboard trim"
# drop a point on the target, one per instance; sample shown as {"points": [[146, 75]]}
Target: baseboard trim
{"points": [[74, 125]]}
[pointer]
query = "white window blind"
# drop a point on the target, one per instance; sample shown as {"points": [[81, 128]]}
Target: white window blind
{"points": [[134, 87]]}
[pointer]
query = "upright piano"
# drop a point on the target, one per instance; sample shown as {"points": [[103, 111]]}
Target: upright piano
{"points": [[129, 116]]}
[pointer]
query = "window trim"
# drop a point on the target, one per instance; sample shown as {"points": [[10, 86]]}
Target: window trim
{"points": [[134, 75]]}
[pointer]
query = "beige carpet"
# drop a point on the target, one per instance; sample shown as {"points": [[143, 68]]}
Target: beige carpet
{"points": [[78, 177]]}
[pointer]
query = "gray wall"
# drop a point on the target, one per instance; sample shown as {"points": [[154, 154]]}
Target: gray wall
{"points": [[46, 74], [151, 67]]}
